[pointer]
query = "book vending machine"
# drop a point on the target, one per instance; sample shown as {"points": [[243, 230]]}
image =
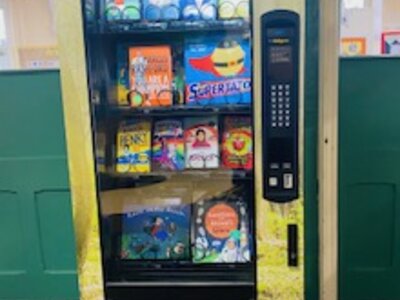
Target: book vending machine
{"points": [[185, 135]]}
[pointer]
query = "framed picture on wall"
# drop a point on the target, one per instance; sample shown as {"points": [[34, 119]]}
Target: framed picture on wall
{"points": [[391, 43], [353, 46]]}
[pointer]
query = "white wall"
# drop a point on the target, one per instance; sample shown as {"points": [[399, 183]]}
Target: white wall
{"points": [[377, 16]]}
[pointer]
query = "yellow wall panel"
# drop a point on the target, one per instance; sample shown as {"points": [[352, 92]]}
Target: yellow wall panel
{"points": [[80, 147]]}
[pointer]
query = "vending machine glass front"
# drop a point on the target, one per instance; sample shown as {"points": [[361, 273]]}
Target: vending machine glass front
{"points": [[171, 101]]}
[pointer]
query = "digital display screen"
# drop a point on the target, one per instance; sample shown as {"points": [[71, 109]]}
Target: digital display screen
{"points": [[280, 32], [280, 54], [280, 62]]}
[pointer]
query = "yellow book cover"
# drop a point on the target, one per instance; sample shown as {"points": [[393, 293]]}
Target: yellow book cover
{"points": [[134, 147]]}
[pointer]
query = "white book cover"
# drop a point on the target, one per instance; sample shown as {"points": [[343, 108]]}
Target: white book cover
{"points": [[202, 143]]}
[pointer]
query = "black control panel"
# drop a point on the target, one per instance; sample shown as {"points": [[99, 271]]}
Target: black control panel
{"points": [[280, 34]]}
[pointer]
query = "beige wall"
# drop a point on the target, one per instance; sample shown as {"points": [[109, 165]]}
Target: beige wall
{"points": [[31, 24], [391, 15]]}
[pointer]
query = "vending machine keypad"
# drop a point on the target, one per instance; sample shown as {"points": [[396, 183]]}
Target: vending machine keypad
{"points": [[280, 97], [280, 105]]}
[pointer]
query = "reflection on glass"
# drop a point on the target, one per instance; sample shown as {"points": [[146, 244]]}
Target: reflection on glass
{"points": [[174, 141]]}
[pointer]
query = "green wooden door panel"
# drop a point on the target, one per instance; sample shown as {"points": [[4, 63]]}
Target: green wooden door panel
{"points": [[51, 206], [369, 185], [11, 258], [37, 250]]}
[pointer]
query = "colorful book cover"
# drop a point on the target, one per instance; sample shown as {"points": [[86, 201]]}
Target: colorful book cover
{"points": [[218, 70], [161, 10], [221, 231], [122, 74], [116, 10], [168, 145], [237, 143], [201, 141], [134, 147], [234, 9], [199, 9], [156, 233], [151, 76]]}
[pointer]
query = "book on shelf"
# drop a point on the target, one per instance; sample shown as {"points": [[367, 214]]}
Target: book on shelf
{"points": [[156, 232], [221, 230], [150, 76], [134, 147], [218, 70], [168, 145], [237, 143], [202, 143]]}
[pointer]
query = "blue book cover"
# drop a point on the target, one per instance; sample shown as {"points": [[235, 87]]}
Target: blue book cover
{"points": [[161, 10], [199, 9], [156, 233], [218, 70], [221, 232]]}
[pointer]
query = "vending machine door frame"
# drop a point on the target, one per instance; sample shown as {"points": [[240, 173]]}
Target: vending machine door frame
{"points": [[328, 148], [81, 159]]}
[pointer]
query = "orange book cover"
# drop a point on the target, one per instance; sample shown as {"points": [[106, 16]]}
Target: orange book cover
{"points": [[150, 76]]}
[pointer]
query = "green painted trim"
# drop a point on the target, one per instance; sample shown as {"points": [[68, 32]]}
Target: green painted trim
{"points": [[28, 72]]}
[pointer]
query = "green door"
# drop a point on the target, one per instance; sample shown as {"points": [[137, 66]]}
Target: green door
{"points": [[369, 206], [37, 254]]}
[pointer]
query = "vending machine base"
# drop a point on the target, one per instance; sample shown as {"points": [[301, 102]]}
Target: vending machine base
{"points": [[178, 292]]}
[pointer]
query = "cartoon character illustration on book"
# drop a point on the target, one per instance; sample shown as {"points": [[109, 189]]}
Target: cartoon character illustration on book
{"points": [[218, 70], [201, 139], [156, 233], [221, 230], [237, 143], [226, 60], [199, 9], [168, 145]]}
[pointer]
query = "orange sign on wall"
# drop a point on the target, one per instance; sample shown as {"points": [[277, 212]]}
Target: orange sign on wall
{"points": [[353, 46]]}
